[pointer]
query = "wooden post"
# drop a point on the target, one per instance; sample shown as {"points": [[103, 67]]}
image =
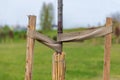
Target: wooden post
{"points": [[58, 72], [106, 73], [30, 49]]}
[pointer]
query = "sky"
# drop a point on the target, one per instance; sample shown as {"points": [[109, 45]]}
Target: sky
{"points": [[76, 12]]}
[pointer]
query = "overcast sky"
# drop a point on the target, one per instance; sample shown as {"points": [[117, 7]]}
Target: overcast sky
{"points": [[76, 12]]}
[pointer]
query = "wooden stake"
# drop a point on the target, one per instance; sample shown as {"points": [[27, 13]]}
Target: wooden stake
{"points": [[62, 66], [30, 49], [106, 73], [53, 67], [58, 67]]}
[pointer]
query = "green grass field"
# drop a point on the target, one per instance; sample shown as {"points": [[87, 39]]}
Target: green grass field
{"points": [[84, 61]]}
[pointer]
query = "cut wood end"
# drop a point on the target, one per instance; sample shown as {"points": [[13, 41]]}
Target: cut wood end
{"points": [[108, 22]]}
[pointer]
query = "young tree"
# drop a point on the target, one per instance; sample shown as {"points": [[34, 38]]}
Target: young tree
{"points": [[46, 17]]}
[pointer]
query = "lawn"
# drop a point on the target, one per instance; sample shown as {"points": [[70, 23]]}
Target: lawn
{"points": [[84, 61]]}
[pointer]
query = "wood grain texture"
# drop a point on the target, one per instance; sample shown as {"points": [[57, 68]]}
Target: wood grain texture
{"points": [[58, 72], [108, 37], [30, 49]]}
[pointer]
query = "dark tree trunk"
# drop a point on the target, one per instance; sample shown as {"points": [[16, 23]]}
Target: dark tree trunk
{"points": [[60, 20]]}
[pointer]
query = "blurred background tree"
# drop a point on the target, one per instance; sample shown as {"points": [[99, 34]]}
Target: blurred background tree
{"points": [[46, 17], [5, 33], [116, 26]]}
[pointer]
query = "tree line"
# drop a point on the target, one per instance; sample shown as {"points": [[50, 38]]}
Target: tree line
{"points": [[47, 24], [7, 34]]}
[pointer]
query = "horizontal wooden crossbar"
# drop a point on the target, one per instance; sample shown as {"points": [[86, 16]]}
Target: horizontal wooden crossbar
{"points": [[69, 37]]}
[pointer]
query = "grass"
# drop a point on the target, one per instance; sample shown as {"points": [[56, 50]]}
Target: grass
{"points": [[84, 61]]}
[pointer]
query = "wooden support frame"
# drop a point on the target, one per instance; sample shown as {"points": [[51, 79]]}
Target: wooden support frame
{"points": [[58, 72], [108, 38], [30, 48]]}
